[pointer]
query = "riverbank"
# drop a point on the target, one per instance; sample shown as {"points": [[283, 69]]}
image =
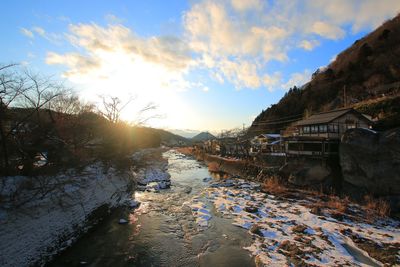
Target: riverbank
{"points": [[40, 217], [292, 231], [284, 175], [301, 227]]}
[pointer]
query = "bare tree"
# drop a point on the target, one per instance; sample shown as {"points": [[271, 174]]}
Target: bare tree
{"points": [[38, 91], [12, 85], [144, 115], [112, 107], [22, 89], [69, 103]]}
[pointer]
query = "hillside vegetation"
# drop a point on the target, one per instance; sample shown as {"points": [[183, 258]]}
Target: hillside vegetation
{"points": [[45, 128], [366, 76]]}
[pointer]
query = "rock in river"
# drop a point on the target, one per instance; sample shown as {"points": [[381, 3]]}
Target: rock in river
{"points": [[122, 221]]}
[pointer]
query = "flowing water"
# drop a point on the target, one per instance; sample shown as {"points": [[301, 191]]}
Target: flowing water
{"points": [[163, 232]]}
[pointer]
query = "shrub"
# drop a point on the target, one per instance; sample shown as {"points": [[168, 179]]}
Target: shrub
{"points": [[377, 207], [337, 204], [274, 185]]}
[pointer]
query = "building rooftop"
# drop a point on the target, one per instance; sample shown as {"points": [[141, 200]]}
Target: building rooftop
{"points": [[269, 135], [326, 117]]}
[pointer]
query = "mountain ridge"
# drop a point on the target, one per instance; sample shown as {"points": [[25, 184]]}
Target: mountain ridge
{"points": [[203, 136], [367, 70]]}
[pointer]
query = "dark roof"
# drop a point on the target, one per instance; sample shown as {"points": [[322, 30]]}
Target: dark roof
{"points": [[303, 138], [326, 117], [269, 135]]}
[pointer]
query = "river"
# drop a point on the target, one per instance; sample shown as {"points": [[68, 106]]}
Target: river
{"points": [[163, 231], [232, 222]]}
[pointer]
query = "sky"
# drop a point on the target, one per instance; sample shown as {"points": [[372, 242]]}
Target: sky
{"points": [[206, 65]]}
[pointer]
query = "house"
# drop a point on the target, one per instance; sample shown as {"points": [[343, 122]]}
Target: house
{"points": [[332, 124], [266, 143], [320, 134]]}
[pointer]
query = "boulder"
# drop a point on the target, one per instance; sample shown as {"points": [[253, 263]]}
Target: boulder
{"points": [[371, 160], [305, 171]]}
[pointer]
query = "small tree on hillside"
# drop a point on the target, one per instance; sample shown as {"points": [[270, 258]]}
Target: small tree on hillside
{"points": [[12, 85]]}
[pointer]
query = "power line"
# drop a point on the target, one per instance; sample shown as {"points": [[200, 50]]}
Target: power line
{"points": [[274, 122], [291, 116], [280, 120]]}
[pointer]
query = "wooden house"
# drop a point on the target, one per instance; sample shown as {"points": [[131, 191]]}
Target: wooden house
{"points": [[332, 124], [320, 134]]}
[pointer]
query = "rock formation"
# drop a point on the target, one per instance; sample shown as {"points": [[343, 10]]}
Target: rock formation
{"points": [[371, 160]]}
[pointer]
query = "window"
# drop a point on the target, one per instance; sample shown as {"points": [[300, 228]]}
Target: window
{"points": [[314, 129], [333, 128], [306, 129], [312, 146], [322, 128]]}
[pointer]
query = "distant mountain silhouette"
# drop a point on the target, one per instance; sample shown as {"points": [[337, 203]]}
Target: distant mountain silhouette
{"points": [[203, 136], [171, 138], [187, 133]]}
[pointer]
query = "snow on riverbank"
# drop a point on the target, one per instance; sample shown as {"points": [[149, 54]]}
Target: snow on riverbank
{"points": [[285, 232], [154, 175], [38, 224]]}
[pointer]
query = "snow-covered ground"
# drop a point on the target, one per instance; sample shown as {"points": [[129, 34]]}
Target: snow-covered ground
{"points": [[153, 175], [286, 232], [41, 216]]}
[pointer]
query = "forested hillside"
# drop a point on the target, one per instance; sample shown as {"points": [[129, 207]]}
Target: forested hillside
{"points": [[365, 76]]}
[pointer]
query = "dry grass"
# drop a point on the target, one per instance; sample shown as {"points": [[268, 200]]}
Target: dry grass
{"points": [[185, 150], [337, 204], [214, 167], [376, 206], [331, 203], [274, 185]]}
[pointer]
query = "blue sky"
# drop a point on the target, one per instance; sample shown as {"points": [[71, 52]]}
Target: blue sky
{"points": [[208, 65]]}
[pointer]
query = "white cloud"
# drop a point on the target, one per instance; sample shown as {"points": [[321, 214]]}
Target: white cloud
{"points": [[272, 81], [297, 79], [241, 5], [113, 60], [112, 19], [238, 38], [327, 30], [309, 44], [366, 14], [169, 51], [39, 31], [234, 40], [27, 33]]}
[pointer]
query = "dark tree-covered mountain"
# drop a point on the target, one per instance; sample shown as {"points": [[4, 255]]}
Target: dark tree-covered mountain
{"points": [[365, 76]]}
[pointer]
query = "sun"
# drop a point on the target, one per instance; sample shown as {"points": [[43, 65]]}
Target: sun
{"points": [[130, 76]]}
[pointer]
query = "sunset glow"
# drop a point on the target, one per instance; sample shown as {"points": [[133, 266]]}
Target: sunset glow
{"points": [[195, 61]]}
